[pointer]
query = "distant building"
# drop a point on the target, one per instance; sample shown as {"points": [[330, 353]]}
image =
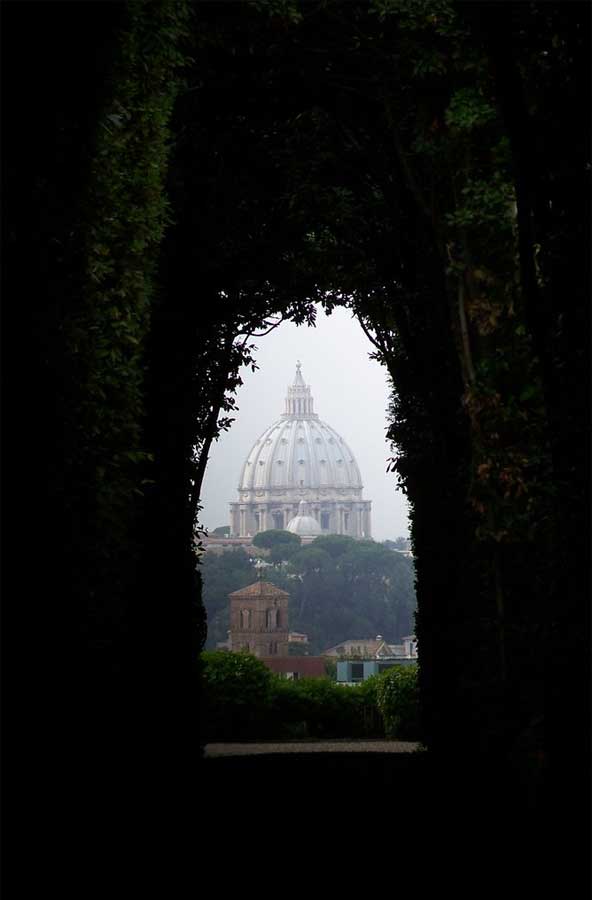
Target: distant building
{"points": [[297, 637], [259, 620], [368, 647], [357, 671], [410, 646], [374, 648], [300, 459], [296, 667]]}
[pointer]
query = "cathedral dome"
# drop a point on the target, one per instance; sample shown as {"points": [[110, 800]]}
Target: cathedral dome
{"points": [[300, 451], [300, 458]]}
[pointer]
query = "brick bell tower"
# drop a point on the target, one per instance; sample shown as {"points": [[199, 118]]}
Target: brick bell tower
{"points": [[259, 620]]}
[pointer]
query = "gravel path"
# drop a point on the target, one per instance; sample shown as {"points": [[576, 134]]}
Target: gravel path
{"points": [[247, 749]]}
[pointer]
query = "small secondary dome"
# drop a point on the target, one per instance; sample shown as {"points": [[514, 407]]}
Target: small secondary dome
{"points": [[303, 524]]}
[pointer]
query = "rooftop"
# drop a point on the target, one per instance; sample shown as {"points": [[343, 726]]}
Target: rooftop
{"points": [[259, 589]]}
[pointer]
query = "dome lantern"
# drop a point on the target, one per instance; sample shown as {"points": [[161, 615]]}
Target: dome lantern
{"points": [[299, 402]]}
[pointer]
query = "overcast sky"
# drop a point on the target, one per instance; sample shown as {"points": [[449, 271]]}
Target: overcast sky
{"points": [[350, 393]]}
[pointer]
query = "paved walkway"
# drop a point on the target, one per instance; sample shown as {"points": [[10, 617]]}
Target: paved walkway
{"points": [[250, 749]]}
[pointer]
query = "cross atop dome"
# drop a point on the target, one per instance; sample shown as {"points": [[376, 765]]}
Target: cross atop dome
{"points": [[298, 379]]}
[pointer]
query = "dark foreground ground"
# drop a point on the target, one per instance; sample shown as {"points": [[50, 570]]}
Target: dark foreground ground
{"points": [[391, 820]]}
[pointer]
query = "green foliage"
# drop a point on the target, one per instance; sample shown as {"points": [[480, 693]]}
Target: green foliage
{"points": [[222, 531], [364, 591], [244, 700], [330, 668], [397, 697], [320, 708], [127, 213], [400, 543], [277, 538], [311, 559], [333, 544], [468, 109], [236, 696]]}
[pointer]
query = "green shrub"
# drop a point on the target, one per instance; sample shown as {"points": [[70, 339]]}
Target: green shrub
{"points": [[367, 693], [237, 696], [320, 708], [397, 697], [243, 700]]}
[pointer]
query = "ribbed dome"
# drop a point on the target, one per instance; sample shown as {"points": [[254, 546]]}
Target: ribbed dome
{"points": [[300, 451]]}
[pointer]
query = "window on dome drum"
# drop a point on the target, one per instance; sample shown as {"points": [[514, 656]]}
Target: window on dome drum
{"points": [[325, 518], [278, 520]]}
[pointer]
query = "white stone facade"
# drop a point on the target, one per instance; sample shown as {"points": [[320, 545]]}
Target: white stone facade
{"points": [[300, 458]]}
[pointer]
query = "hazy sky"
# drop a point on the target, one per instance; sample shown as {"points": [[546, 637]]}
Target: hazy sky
{"points": [[350, 393]]}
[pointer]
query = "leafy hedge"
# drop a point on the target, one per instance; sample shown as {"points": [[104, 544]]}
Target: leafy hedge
{"points": [[236, 696], [397, 699], [244, 700]]}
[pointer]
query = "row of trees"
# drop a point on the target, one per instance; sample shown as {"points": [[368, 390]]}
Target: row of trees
{"points": [[339, 588]]}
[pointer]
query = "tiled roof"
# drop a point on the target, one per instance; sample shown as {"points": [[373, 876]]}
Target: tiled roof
{"points": [[307, 666], [259, 589], [370, 644]]}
